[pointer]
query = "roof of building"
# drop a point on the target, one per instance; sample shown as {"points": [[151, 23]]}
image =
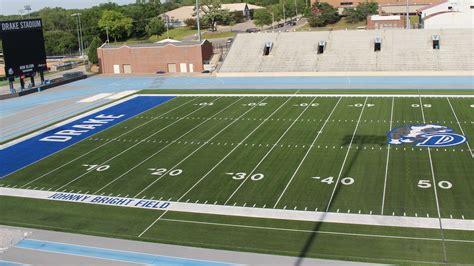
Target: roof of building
{"points": [[399, 9], [432, 5], [150, 45], [381, 18], [186, 12]]}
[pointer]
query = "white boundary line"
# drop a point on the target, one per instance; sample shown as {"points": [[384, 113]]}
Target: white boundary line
{"points": [[251, 212], [131, 147], [319, 232], [307, 152], [462, 131], [269, 151], [154, 222], [166, 146], [198, 148], [315, 95], [435, 184], [388, 159], [345, 158]]}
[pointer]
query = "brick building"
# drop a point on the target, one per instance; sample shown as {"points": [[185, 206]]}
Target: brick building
{"points": [[181, 57]]}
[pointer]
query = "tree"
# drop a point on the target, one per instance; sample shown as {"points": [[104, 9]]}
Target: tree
{"points": [[156, 26], [322, 14], [262, 17], [92, 50], [213, 13], [118, 25], [59, 42], [360, 13]]}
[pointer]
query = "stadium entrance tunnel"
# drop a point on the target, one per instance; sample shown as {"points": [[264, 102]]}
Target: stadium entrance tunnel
{"points": [[267, 48], [377, 44], [321, 46], [435, 39]]}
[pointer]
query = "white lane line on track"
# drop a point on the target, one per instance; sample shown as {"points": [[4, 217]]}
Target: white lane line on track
{"points": [[462, 131], [435, 191], [95, 98], [127, 149], [388, 158], [345, 158], [100, 146], [307, 152], [166, 146], [238, 144], [197, 149], [268, 152]]}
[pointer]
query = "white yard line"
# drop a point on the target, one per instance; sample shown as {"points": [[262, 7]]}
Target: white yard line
{"points": [[435, 189], [318, 95], [197, 149], [268, 152], [251, 212], [129, 148], [108, 142], [151, 225], [235, 148], [388, 159], [306, 155], [462, 131], [345, 158], [166, 146]]}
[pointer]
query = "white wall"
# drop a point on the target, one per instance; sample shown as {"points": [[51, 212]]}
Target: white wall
{"points": [[461, 17]]}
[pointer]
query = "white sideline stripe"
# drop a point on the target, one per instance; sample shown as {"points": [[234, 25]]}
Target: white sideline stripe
{"points": [[319, 232], [316, 95], [388, 158], [95, 98], [295, 215], [121, 94], [345, 157], [307, 152], [269, 151], [459, 124], [154, 222]]}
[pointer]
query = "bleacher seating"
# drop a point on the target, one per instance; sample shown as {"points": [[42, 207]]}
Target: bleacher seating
{"points": [[401, 50]]}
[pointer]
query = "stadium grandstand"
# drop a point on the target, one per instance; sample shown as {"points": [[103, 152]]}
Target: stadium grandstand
{"points": [[340, 51]]}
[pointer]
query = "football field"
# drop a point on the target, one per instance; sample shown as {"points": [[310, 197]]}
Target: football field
{"points": [[306, 153]]}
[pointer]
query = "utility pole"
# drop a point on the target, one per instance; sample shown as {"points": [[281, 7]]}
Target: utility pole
{"points": [[273, 20], [284, 13], [167, 26], [197, 20], [78, 34], [408, 17], [107, 32], [296, 9]]}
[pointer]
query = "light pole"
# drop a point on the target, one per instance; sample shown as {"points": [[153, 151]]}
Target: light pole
{"points": [[197, 20], [79, 33], [273, 20], [296, 9], [167, 26], [408, 17]]}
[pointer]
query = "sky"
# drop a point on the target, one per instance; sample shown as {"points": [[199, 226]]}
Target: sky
{"points": [[11, 7]]}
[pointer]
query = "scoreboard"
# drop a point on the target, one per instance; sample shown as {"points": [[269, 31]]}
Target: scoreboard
{"points": [[23, 47]]}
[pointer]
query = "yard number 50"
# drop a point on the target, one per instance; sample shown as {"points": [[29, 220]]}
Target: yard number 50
{"points": [[442, 184]]}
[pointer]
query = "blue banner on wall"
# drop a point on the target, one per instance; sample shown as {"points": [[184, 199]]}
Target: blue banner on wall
{"points": [[34, 149]]}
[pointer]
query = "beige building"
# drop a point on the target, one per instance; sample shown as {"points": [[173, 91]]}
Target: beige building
{"points": [[179, 15]]}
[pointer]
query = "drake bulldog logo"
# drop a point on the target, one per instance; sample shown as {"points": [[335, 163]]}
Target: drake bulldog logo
{"points": [[425, 135]]}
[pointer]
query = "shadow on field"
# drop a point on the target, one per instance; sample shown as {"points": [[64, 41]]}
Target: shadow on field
{"points": [[358, 141]]}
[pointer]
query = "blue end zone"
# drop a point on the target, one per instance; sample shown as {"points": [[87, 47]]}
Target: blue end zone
{"points": [[109, 254], [34, 149]]}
